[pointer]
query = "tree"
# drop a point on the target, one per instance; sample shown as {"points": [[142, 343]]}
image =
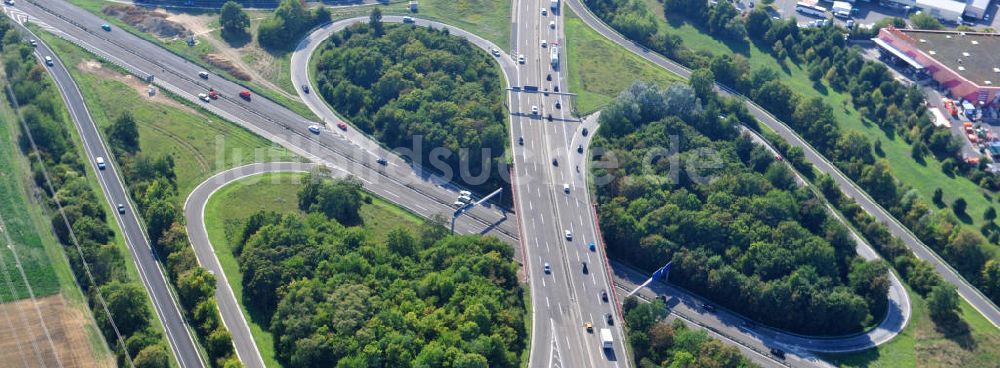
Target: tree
{"points": [[375, 22], [127, 303], [942, 302], [925, 21], [153, 356], [194, 286], [123, 134], [991, 279], [938, 197], [159, 216], [703, 82], [990, 214], [959, 206], [233, 19]]}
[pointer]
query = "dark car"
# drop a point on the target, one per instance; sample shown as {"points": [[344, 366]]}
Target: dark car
{"points": [[707, 308], [610, 320], [555, 88], [382, 162], [548, 77], [555, 162], [585, 270], [305, 88], [604, 296], [558, 105], [549, 117], [780, 354], [585, 132], [520, 140], [579, 148]]}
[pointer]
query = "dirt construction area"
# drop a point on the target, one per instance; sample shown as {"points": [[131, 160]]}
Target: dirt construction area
{"points": [[61, 341]]}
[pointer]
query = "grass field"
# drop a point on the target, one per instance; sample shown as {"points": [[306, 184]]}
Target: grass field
{"points": [[921, 342], [200, 143], [925, 177], [278, 192], [599, 69]]}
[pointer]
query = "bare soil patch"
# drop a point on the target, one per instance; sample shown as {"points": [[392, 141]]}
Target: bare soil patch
{"points": [[23, 341], [139, 86], [222, 62], [153, 22]]}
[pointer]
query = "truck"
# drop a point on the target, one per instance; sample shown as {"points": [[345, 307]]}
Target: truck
{"points": [[555, 5], [555, 56], [842, 9], [607, 341]]}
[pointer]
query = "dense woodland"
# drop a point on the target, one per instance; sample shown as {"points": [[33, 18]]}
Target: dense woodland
{"points": [[399, 82], [895, 108], [688, 188], [59, 163], [658, 343], [282, 30], [334, 295]]}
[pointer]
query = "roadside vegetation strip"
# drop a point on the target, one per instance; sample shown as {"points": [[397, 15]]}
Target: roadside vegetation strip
{"points": [[114, 295], [599, 68]]}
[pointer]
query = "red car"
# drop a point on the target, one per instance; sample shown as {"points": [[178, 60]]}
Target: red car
{"points": [[245, 95], [778, 157], [342, 126], [213, 94]]}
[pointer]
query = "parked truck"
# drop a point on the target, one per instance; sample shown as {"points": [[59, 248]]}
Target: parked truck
{"points": [[607, 341]]}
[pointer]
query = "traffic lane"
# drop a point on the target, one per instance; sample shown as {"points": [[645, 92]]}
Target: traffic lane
{"points": [[258, 117], [970, 294], [181, 342]]}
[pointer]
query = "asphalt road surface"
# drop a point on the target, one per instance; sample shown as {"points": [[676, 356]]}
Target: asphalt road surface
{"points": [[967, 291], [153, 278], [551, 140]]}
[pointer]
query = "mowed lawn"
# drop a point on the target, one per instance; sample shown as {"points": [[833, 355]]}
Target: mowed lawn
{"points": [[922, 342], [924, 177], [599, 69], [489, 19], [231, 205], [200, 143]]}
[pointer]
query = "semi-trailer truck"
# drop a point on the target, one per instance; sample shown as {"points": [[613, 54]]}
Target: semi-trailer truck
{"points": [[555, 5], [607, 341]]}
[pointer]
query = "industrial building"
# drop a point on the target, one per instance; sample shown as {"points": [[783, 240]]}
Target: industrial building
{"points": [[949, 11], [967, 64]]}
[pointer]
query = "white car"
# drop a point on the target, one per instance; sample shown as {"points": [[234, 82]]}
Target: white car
{"points": [[203, 97], [545, 43], [552, 24], [314, 128], [566, 188], [520, 58], [495, 52], [534, 110], [48, 61], [465, 193], [203, 74], [545, 11], [569, 235]]}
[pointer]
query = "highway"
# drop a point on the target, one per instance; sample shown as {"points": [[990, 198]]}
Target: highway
{"points": [[968, 292], [153, 278], [538, 183]]}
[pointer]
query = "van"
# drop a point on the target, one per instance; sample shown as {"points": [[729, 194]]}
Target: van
{"points": [[100, 162]]}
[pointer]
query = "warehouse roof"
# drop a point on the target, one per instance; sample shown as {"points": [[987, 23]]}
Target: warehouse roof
{"points": [[971, 55]]}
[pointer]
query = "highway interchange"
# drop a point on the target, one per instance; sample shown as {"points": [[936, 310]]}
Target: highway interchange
{"points": [[570, 297]]}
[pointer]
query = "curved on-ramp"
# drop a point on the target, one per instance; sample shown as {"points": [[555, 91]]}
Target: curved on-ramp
{"points": [[194, 212]]}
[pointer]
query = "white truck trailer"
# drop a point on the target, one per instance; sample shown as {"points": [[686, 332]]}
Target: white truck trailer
{"points": [[607, 341]]}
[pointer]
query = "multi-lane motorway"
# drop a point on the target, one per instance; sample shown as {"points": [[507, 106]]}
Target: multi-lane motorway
{"points": [[556, 219], [563, 300]]}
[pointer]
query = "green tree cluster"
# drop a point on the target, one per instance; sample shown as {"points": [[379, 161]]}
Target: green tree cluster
{"points": [[41, 107], [289, 22], [335, 295], [688, 188], [420, 90], [659, 344], [897, 109], [233, 19]]}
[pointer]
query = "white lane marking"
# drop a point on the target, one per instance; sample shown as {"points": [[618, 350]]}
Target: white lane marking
{"points": [[547, 305]]}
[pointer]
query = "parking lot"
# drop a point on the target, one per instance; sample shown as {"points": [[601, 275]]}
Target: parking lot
{"points": [[867, 12]]}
